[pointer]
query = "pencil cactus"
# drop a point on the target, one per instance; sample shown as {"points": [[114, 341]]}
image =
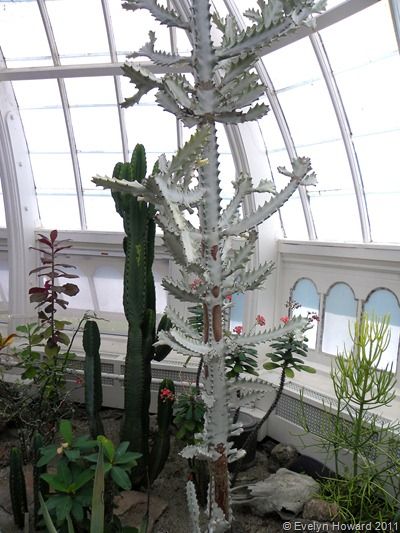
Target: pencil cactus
{"points": [[225, 90], [93, 385]]}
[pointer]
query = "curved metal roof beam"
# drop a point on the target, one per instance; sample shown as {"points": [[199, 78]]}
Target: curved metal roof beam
{"points": [[395, 10], [67, 112], [117, 80], [345, 130]]}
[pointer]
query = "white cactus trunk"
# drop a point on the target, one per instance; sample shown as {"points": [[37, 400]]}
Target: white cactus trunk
{"points": [[226, 91]]}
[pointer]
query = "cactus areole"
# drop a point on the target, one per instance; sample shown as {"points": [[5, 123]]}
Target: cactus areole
{"points": [[225, 90]]}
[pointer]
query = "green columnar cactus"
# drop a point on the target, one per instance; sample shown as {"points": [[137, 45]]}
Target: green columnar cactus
{"points": [[17, 488], [139, 306], [226, 90], [160, 450], [39, 486], [93, 386]]}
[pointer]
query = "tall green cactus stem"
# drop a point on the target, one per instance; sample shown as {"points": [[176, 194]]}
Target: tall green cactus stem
{"points": [[39, 485], [226, 90], [17, 488], [139, 305], [93, 385], [161, 446]]}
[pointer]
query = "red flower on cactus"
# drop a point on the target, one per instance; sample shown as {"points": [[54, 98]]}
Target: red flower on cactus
{"points": [[196, 283], [228, 298], [79, 380], [260, 320], [238, 330], [284, 319], [166, 395]]}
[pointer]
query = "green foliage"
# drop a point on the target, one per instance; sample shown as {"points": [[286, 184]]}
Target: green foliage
{"points": [[369, 489], [93, 385], [189, 415], [242, 360], [39, 485], [288, 354], [17, 487], [73, 482]]}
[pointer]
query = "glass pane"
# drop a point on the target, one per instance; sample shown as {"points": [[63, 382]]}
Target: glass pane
{"points": [[300, 65], [79, 30], [131, 29], [100, 212], [349, 42], [108, 284], [45, 130], [383, 302], [379, 162], [340, 315], [53, 172], [59, 212], [97, 163], [368, 76], [309, 113], [151, 126], [19, 19], [90, 91], [334, 194], [37, 93], [84, 300], [237, 310], [305, 293], [96, 129], [4, 279]]}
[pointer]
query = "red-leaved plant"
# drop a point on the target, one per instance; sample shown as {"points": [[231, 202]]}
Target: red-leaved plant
{"points": [[49, 296]]}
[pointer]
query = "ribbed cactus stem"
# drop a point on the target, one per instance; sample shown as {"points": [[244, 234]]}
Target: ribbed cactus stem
{"points": [[160, 450], [17, 488], [93, 386], [39, 485]]}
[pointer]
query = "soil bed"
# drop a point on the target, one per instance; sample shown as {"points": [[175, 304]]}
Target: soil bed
{"points": [[169, 486]]}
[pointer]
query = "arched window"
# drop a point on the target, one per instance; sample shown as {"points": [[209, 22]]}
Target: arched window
{"points": [[383, 302], [339, 317], [305, 293]]}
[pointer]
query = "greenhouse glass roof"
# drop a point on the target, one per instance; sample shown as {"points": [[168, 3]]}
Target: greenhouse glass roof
{"points": [[333, 92]]}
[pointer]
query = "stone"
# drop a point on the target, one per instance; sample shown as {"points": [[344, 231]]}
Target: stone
{"points": [[282, 455], [320, 510], [284, 492], [131, 506]]}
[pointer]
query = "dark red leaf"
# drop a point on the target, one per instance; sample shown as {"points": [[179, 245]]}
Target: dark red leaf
{"points": [[70, 289], [42, 315], [39, 250], [38, 269], [34, 290], [45, 240], [68, 276], [62, 303], [37, 298], [62, 248], [53, 235]]}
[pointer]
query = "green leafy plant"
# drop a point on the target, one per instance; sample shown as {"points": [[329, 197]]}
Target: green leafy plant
{"points": [[72, 483], [49, 334], [189, 415], [367, 487]]}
